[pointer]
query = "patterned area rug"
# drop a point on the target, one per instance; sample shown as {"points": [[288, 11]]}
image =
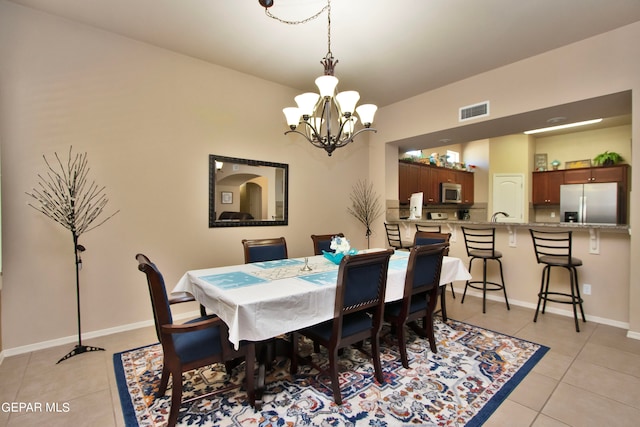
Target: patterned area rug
{"points": [[462, 385]]}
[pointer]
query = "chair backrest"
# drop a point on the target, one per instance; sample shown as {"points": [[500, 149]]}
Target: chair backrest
{"points": [[422, 238], [157, 292], [260, 250], [423, 271], [556, 244], [322, 242], [362, 282], [393, 235], [429, 228], [479, 240]]}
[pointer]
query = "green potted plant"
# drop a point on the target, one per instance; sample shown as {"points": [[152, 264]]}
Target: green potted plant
{"points": [[607, 158]]}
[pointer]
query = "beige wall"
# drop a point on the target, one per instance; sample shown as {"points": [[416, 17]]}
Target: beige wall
{"points": [[605, 64], [586, 144], [148, 119]]}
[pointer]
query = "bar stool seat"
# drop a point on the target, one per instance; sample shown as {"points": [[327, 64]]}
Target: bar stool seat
{"points": [[553, 249], [480, 244]]}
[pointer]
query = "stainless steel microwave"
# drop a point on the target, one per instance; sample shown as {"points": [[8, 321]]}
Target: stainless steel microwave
{"points": [[450, 193]]}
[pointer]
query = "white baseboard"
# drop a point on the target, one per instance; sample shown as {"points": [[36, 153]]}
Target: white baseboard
{"points": [[554, 310], [95, 334]]}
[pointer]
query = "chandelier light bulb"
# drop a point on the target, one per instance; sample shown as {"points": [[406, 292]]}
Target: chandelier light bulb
{"points": [[307, 103], [327, 85], [366, 113], [347, 101], [292, 115]]}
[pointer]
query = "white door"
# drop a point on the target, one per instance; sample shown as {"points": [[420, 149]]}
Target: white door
{"points": [[508, 196]]}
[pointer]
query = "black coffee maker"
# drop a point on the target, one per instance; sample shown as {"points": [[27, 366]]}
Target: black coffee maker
{"points": [[464, 214]]}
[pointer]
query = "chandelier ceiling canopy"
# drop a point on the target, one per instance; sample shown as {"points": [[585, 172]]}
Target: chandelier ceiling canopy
{"points": [[327, 119]]}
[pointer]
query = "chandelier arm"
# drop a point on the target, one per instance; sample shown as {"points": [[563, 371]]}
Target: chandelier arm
{"points": [[350, 139]]}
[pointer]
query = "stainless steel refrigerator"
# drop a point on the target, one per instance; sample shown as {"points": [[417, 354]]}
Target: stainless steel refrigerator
{"points": [[589, 203]]}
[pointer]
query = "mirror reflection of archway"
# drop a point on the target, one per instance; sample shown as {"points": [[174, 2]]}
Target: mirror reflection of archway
{"points": [[251, 199]]}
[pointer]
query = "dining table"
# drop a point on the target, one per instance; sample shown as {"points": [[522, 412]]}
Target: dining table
{"points": [[263, 300]]}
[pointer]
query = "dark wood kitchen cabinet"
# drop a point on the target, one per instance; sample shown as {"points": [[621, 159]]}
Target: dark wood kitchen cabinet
{"points": [[546, 187], [618, 173], [417, 177]]}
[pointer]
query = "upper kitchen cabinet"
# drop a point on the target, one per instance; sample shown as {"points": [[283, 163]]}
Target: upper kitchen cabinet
{"points": [[408, 181], [617, 173], [418, 177], [546, 187]]}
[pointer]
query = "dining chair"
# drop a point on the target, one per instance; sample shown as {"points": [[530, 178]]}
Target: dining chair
{"points": [[421, 288], [357, 316], [554, 249], [322, 242], [197, 343], [481, 244], [394, 237], [260, 250], [431, 238], [429, 228]]}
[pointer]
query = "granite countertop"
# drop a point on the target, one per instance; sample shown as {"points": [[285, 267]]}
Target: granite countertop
{"points": [[562, 225]]}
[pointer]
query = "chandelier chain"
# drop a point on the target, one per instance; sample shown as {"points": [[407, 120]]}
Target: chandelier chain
{"points": [[303, 21]]}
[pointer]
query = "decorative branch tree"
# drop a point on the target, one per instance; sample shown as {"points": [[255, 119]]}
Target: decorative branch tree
{"points": [[65, 197], [365, 205]]}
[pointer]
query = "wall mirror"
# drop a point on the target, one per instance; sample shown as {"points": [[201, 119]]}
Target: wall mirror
{"points": [[245, 192]]}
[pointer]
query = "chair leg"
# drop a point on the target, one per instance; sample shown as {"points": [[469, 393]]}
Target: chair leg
{"points": [[249, 373], [293, 368], [546, 290], [333, 375], [443, 302], [375, 355], [176, 398], [504, 287], [427, 321], [402, 346], [164, 381], [452, 291]]}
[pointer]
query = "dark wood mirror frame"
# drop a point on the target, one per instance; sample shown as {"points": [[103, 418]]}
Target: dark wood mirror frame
{"points": [[214, 199]]}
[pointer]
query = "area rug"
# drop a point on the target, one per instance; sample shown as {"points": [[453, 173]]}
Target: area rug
{"points": [[462, 385]]}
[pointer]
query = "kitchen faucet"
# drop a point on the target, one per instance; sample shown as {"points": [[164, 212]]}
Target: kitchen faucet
{"points": [[494, 217]]}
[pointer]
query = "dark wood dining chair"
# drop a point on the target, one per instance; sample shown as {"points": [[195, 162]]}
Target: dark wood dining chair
{"points": [[357, 316], [421, 288], [430, 238], [197, 343], [322, 242], [394, 237], [260, 250]]}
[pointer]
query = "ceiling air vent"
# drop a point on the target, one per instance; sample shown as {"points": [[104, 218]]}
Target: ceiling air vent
{"points": [[474, 111]]}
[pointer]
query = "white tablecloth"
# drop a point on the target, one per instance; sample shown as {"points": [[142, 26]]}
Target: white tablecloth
{"points": [[262, 300]]}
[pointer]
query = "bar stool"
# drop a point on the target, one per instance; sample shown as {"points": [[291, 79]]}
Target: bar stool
{"points": [[480, 244], [394, 237], [553, 249]]}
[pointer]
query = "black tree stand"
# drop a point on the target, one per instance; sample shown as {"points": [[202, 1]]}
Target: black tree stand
{"points": [[79, 348]]}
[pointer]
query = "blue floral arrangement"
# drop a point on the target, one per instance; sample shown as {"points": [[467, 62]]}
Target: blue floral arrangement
{"points": [[341, 247]]}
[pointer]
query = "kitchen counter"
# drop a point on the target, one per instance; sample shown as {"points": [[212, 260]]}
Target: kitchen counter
{"points": [[558, 225]]}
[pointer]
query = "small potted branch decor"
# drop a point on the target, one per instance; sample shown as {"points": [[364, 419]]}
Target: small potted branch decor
{"points": [[365, 205], [65, 196], [607, 158]]}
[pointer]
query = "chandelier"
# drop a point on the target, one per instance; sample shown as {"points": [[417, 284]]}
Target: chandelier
{"points": [[327, 119]]}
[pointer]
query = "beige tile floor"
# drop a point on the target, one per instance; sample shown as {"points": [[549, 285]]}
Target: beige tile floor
{"points": [[591, 378]]}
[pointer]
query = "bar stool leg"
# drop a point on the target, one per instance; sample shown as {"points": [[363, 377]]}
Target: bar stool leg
{"points": [[467, 283], [573, 298], [504, 288], [484, 285], [575, 272]]}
